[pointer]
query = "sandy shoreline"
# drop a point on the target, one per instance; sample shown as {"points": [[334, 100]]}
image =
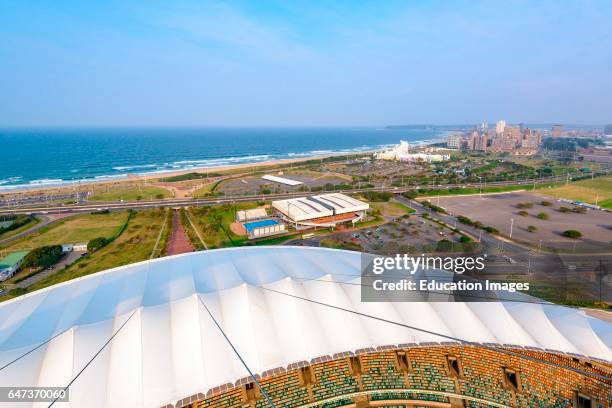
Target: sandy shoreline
{"points": [[155, 176], [131, 178]]}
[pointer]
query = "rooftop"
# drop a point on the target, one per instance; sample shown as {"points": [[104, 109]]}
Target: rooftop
{"points": [[12, 259]]}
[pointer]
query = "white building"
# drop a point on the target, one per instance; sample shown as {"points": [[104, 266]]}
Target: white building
{"points": [[423, 157], [252, 214], [151, 333], [393, 154], [500, 127], [323, 210]]}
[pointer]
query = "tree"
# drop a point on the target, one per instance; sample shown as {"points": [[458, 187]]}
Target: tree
{"points": [[532, 228], [43, 257], [564, 209], [546, 203], [96, 244], [543, 216], [523, 213], [463, 239], [572, 234]]}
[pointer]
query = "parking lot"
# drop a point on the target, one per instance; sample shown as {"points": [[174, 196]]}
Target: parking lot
{"points": [[255, 184], [404, 234], [520, 210]]}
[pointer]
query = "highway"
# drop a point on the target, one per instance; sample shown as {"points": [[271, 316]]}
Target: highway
{"points": [[186, 202]]}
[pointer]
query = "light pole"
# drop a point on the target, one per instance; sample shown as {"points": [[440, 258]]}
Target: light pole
{"points": [[511, 225]]}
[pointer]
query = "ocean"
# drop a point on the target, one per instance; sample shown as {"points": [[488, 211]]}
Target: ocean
{"points": [[52, 157]]}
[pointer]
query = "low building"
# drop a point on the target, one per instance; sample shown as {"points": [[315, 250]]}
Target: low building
{"points": [[252, 214], [326, 210], [264, 228], [423, 157], [11, 264], [79, 247], [67, 247], [281, 180]]}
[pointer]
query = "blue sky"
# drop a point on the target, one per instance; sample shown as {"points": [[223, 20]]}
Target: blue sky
{"points": [[296, 63]]}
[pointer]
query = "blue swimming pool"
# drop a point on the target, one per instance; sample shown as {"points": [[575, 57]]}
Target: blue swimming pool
{"points": [[250, 226]]}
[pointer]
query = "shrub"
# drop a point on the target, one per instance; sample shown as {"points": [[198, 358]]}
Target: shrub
{"points": [[572, 234], [532, 228], [159, 196], [377, 196], [465, 220], [524, 205], [542, 216], [410, 194], [464, 239], [579, 210], [444, 245], [523, 213], [491, 230], [546, 203], [564, 209], [96, 244]]}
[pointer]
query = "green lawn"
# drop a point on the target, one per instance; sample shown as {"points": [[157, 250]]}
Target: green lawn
{"points": [[391, 208], [133, 245], [34, 221], [80, 228], [214, 223], [585, 190], [128, 193]]}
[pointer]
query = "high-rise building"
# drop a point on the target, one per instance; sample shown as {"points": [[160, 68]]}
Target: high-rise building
{"points": [[558, 130], [500, 127], [478, 141], [454, 140]]}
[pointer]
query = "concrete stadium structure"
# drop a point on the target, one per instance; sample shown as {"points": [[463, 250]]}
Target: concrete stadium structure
{"points": [[170, 331]]}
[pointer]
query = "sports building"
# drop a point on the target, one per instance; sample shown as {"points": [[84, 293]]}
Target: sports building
{"points": [[189, 330], [321, 210]]}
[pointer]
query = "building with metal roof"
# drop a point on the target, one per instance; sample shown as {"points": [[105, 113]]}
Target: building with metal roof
{"points": [[10, 264], [306, 210]]}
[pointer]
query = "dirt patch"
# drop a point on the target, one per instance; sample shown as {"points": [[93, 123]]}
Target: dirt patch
{"points": [[238, 229]]}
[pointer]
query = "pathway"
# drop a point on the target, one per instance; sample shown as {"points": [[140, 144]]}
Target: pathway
{"points": [[179, 242]]}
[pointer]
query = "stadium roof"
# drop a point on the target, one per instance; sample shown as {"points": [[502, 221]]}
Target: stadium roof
{"points": [[146, 334]]}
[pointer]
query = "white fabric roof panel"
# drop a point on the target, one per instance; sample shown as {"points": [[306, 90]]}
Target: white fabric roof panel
{"points": [[170, 347]]}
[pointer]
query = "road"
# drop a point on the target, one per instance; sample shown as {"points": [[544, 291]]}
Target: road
{"points": [[186, 202], [45, 219]]}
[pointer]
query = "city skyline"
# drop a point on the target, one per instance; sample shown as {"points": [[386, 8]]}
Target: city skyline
{"points": [[303, 64]]}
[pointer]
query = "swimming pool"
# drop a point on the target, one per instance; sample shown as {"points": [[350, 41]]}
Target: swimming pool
{"points": [[250, 226]]}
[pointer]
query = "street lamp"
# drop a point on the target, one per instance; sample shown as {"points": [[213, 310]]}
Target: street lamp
{"points": [[511, 225]]}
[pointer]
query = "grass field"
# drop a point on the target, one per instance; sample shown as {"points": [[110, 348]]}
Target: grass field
{"points": [[128, 193], [80, 228], [205, 190], [214, 222], [133, 245], [391, 208], [34, 221], [585, 190]]}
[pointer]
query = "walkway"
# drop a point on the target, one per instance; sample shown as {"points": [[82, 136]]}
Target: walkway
{"points": [[179, 242]]}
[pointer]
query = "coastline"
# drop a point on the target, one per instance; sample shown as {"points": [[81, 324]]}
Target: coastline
{"points": [[64, 186], [157, 176]]}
